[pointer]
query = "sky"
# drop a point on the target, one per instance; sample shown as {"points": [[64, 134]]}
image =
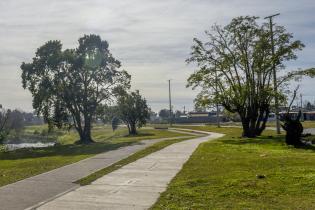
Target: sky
{"points": [[152, 38]]}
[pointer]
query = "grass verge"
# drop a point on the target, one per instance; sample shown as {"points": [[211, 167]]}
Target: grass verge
{"points": [[155, 147], [239, 173]]}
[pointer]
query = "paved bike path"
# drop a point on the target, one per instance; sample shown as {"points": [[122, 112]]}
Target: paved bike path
{"points": [[135, 186], [40, 188]]}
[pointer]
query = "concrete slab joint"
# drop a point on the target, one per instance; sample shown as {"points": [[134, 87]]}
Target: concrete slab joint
{"points": [[135, 186]]}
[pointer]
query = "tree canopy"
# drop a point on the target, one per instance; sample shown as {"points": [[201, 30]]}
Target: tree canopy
{"points": [[133, 110], [234, 69], [68, 85]]}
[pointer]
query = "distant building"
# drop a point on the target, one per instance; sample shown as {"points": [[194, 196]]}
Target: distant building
{"points": [[306, 115], [198, 117]]}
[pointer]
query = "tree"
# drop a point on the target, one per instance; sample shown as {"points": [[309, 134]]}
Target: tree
{"points": [[309, 106], [133, 110], [106, 113], [115, 123], [164, 114], [4, 116], [73, 82], [178, 113], [293, 126], [235, 69], [15, 120]]}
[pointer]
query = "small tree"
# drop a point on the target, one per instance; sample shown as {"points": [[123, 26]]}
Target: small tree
{"points": [[164, 114], [68, 85], [292, 125], [115, 123], [4, 116], [106, 113], [133, 110]]}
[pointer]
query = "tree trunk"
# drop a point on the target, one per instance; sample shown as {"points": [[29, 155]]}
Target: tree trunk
{"points": [[85, 133], [262, 120], [249, 127], [248, 131], [133, 129], [254, 123], [86, 138]]}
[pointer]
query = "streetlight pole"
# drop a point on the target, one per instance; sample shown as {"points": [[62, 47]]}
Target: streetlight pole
{"points": [[274, 72], [170, 101], [216, 92], [301, 98]]}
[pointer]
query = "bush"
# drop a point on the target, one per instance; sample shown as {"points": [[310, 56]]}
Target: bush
{"points": [[36, 132], [294, 130], [3, 136]]}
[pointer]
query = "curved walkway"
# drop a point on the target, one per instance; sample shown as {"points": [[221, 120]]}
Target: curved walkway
{"points": [[36, 189], [135, 186]]}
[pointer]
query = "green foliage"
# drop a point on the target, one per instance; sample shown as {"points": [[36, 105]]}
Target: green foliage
{"points": [[3, 135], [68, 85], [235, 69], [10, 120], [115, 123], [164, 114], [133, 110], [106, 113]]}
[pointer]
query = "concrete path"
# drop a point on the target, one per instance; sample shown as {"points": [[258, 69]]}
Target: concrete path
{"points": [[33, 190], [309, 130], [135, 186]]}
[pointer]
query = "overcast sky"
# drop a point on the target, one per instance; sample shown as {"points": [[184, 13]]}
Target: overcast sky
{"points": [[151, 38]]}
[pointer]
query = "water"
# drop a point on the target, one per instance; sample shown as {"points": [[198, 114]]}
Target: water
{"points": [[11, 147]]}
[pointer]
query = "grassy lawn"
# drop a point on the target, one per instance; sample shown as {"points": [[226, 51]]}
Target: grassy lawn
{"points": [[23, 163], [306, 124], [222, 174]]}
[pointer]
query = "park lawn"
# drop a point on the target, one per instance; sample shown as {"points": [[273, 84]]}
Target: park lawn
{"points": [[306, 124], [222, 174], [23, 163]]}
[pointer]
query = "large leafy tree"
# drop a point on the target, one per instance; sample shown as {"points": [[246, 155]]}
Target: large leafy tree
{"points": [[133, 110], [68, 85], [235, 66]]}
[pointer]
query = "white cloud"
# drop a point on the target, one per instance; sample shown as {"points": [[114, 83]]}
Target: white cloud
{"points": [[151, 38]]}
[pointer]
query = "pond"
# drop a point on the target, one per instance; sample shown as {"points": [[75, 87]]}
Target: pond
{"points": [[11, 147]]}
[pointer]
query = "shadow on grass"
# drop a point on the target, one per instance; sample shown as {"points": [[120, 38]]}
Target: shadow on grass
{"points": [[264, 140], [63, 150], [139, 135]]}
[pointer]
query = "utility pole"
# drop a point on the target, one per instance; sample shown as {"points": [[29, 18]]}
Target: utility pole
{"points": [[216, 92], [184, 110], [274, 72], [301, 97], [170, 101]]}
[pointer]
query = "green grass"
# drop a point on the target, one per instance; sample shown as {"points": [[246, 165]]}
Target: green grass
{"points": [[155, 147], [306, 124], [222, 174], [23, 163]]}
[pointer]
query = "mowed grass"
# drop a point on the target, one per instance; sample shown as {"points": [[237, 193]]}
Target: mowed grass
{"points": [[222, 174], [23, 163], [306, 124]]}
